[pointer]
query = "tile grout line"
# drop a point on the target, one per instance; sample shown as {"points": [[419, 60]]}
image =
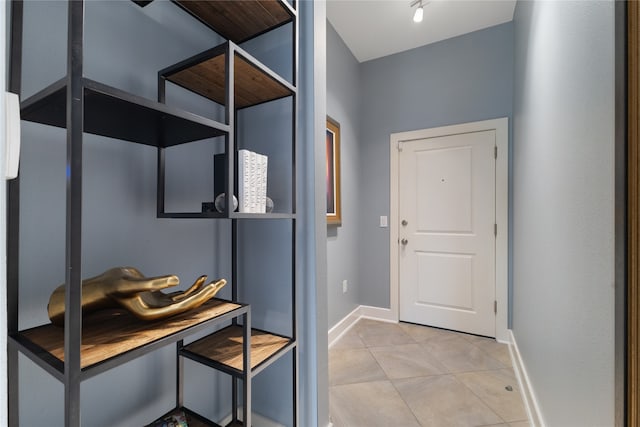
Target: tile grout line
{"points": [[452, 374], [406, 403], [414, 341], [391, 381], [481, 400], [488, 370], [486, 353]]}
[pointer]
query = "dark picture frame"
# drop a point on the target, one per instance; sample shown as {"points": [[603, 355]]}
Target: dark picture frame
{"points": [[334, 210]]}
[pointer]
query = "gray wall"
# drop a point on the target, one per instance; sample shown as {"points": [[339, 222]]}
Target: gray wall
{"points": [[563, 207], [464, 79], [125, 46], [343, 105]]}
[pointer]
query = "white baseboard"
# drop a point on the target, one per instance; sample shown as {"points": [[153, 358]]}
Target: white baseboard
{"points": [[340, 328], [360, 312], [377, 313], [506, 340], [528, 395], [257, 420]]}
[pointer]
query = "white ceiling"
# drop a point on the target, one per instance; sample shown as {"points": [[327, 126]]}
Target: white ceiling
{"points": [[376, 28]]}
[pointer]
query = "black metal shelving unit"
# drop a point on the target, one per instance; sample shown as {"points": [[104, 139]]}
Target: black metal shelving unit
{"points": [[79, 350], [232, 78]]}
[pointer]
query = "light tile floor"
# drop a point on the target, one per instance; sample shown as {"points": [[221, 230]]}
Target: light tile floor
{"points": [[404, 375]]}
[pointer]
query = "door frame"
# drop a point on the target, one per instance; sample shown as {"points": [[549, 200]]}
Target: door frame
{"points": [[501, 127]]}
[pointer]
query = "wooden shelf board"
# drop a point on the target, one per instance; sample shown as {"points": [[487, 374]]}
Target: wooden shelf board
{"points": [[239, 20], [110, 333], [252, 85], [225, 347], [117, 114]]}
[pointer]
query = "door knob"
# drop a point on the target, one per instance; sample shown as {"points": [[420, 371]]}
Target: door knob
{"points": [[404, 242], [404, 223]]}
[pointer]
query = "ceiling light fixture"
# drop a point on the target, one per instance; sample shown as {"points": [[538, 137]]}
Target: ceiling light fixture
{"points": [[419, 14], [417, 17]]}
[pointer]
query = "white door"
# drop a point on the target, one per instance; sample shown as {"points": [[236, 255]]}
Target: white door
{"points": [[447, 241]]}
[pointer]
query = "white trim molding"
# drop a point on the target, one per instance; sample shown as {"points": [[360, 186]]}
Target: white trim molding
{"points": [[360, 312], [377, 313], [501, 128], [528, 395], [340, 328]]}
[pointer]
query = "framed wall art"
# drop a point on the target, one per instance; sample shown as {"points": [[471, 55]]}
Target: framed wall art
{"points": [[334, 213]]}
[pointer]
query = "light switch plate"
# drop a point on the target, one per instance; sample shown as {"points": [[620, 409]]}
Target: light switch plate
{"points": [[383, 221]]}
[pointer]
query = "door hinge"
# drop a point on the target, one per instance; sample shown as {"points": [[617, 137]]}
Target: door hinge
{"points": [[399, 146], [495, 307], [495, 151], [495, 229]]}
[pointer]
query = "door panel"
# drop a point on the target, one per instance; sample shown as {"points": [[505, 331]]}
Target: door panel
{"points": [[453, 273], [447, 251], [444, 174]]}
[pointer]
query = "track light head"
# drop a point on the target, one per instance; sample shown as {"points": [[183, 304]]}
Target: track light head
{"points": [[417, 17]]}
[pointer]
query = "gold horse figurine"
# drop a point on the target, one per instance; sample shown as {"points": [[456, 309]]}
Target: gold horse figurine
{"points": [[126, 287]]}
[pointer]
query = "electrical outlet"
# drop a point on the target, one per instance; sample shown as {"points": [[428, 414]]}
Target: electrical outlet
{"points": [[345, 286]]}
